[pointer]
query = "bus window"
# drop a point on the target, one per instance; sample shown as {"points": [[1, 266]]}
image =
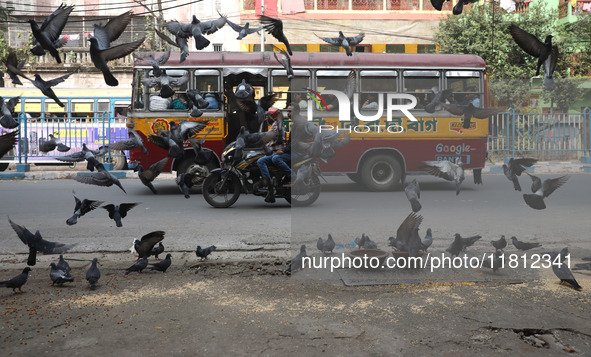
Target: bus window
{"points": [[376, 82], [207, 81], [138, 90], [280, 84], [465, 86], [332, 80], [419, 84]]}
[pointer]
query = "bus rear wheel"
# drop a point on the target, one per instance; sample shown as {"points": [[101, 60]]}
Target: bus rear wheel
{"points": [[118, 160], [3, 166], [381, 172]]}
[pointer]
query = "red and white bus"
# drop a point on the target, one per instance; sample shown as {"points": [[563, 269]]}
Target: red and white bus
{"points": [[375, 156]]}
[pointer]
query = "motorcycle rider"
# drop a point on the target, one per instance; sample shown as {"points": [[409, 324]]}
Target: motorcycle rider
{"points": [[278, 147]]}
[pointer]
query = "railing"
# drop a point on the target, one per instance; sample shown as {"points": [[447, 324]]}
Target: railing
{"points": [[363, 5], [72, 132], [546, 136]]}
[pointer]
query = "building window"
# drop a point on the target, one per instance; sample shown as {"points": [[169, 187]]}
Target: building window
{"points": [[329, 48], [257, 48], [426, 49], [394, 48], [217, 47]]}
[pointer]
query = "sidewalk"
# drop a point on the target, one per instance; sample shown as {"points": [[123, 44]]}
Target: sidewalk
{"points": [[67, 172]]}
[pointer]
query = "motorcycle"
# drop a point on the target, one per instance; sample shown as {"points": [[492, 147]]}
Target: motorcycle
{"points": [[222, 187]]}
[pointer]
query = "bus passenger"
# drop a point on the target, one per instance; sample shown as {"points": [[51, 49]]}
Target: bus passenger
{"points": [[212, 100], [298, 98], [370, 102], [178, 103]]}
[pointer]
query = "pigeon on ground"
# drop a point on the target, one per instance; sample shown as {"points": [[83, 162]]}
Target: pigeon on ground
{"points": [[413, 193], [36, 243], [495, 262], [562, 271], [45, 86], [7, 142], [440, 97], [468, 241], [365, 242], [155, 62], [456, 246], [101, 50], [17, 282], [180, 42], [343, 41], [285, 61], [64, 266], [93, 274], [499, 244], [147, 176], [204, 252], [320, 244], [545, 52], [144, 246], [542, 190], [243, 31], [325, 246], [200, 28], [162, 265], [515, 167], [13, 67], [52, 144], [100, 178], [524, 245], [134, 141], [275, 28], [157, 250], [81, 208], [427, 241], [58, 276], [138, 266], [185, 181], [118, 212], [49, 32], [447, 170], [405, 234], [297, 262], [6, 110], [470, 111]]}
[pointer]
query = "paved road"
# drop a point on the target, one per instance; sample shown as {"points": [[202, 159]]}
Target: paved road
{"points": [[344, 209]]}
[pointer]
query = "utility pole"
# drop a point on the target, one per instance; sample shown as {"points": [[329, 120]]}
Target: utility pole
{"points": [[262, 30]]}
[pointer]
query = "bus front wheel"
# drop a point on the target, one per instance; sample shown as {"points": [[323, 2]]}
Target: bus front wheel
{"points": [[200, 172], [381, 173]]}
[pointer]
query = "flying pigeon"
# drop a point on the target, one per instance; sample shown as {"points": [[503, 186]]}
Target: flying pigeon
{"points": [[285, 61], [48, 34], [297, 262], [440, 97], [524, 245], [545, 52], [185, 181], [45, 86], [36, 243], [515, 167], [6, 110], [7, 142], [144, 246], [17, 282], [344, 42], [243, 31], [93, 274], [180, 41], [275, 28], [118, 212], [58, 276], [147, 176], [138, 266], [447, 170], [413, 193], [134, 141], [542, 190], [470, 111], [52, 144], [155, 62], [13, 67], [100, 178], [204, 252], [200, 28], [163, 264], [81, 208], [166, 82]]}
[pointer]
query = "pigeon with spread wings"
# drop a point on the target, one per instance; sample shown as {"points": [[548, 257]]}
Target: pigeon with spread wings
{"points": [[447, 170], [180, 42], [470, 111], [154, 62], [542, 190], [200, 28], [243, 31], [13, 67], [148, 175], [147, 242], [52, 144], [49, 32], [118, 212], [46, 86], [344, 41], [166, 82], [134, 141], [6, 110], [7, 142], [275, 28], [285, 61]]}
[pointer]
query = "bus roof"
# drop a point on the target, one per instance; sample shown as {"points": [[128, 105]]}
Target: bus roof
{"points": [[324, 59]]}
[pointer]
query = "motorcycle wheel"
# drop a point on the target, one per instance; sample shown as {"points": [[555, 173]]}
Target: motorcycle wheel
{"points": [[217, 196], [309, 197]]}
